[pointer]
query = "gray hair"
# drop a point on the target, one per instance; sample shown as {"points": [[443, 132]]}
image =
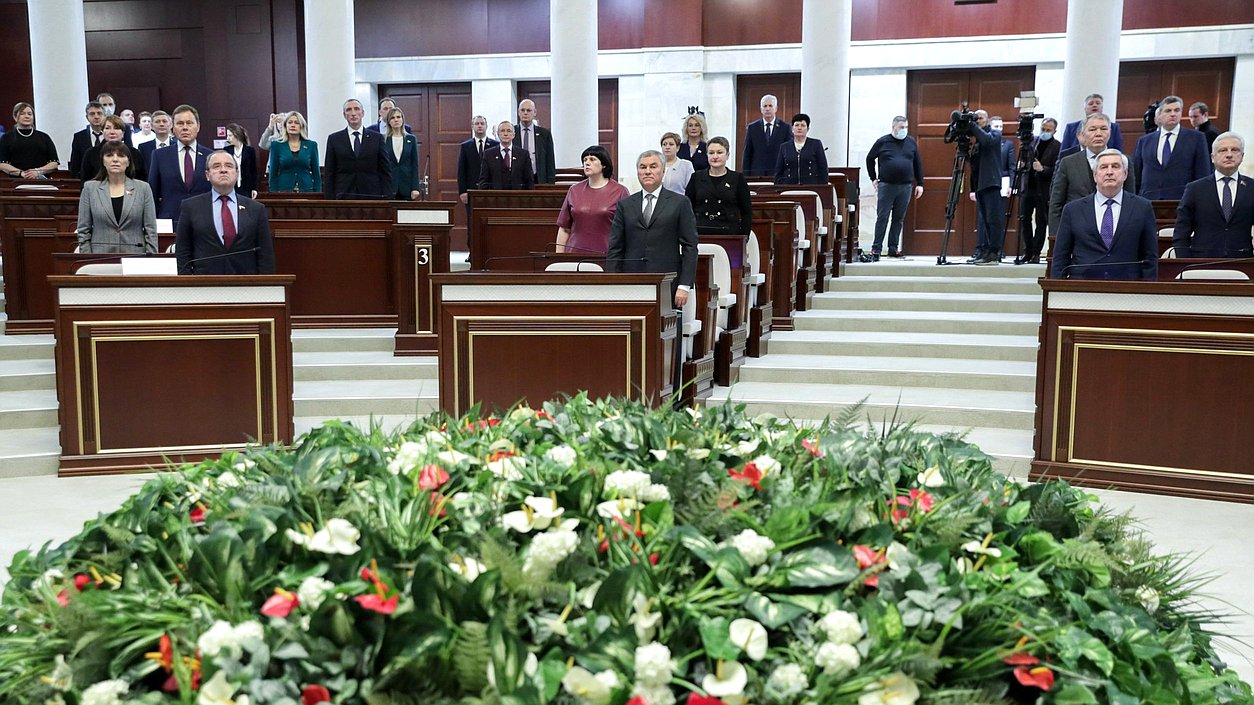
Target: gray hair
{"points": [[1229, 135], [351, 100], [769, 97], [899, 119], [1093, 116], [1169, 100], [1091, 96], [1110, 152], [650, 153]]}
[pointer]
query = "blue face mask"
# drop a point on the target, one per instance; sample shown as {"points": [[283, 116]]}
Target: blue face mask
{"points": [[900, 134], [1046, 136]]}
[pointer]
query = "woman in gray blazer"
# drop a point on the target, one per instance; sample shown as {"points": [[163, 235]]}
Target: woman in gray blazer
{"points": [[116, 212]]}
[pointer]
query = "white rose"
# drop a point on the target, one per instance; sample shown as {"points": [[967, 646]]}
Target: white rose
{"points": [[754, 547], [655, 493], [653, 665], [841, 627], [562, 455], [838, 659], [931, 477], [250, 635], [894, 689], [728, 681], [654, 694], [750, 636], [626, 483], [105, 693], [547, 550], [219, 638], [787, 680], [312, 591]]}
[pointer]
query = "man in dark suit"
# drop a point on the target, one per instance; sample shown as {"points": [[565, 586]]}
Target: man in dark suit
{"points": [[470, 156], [1008, 156], [1093, 103], [86, 138], [505, 167], [1073, 177], [161, 125], [1216, 214], [1036, 182], [222, 232], [356, 163], [178, 172], [1167, 159], [986, 190], [381, 126], [537, 142], [655, 231], [1199, 118], [1109, 234], [763, 139]]}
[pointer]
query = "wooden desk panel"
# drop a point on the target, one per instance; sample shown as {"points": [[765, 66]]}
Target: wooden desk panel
{"points": [[1147, 386]]}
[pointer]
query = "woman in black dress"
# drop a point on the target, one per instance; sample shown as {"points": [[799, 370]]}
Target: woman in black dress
{"points": [[720, 197]]}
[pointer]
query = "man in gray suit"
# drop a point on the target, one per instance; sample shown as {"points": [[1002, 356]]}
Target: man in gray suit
{"points": [[1073, 177], [655, 231]]}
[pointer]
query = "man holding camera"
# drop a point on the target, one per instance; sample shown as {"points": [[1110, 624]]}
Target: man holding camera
{"points": [[986, 192]]}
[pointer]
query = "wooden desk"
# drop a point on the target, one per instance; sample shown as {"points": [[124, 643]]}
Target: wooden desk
{"points": [[1147, 386], [533, 337], [158, 369]]}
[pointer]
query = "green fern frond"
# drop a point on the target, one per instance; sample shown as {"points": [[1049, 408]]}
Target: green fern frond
{"points": [[471, 655], [965, 696]]}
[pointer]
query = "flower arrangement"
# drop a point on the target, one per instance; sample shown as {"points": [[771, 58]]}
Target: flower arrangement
{"points": [[602, 553]]}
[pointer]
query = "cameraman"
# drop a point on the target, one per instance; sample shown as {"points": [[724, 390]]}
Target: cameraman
{"points": [[986, 190]]}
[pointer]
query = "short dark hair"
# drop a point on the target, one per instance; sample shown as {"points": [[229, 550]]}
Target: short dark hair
{"points": [[720, 140], [240, 133], [93, 104], [110, 148], [1200, 107], [1050, 121], [603, 156], [800, 117]]}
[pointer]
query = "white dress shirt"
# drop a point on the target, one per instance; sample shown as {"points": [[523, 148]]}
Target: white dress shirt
{"points": [[182, 147]]}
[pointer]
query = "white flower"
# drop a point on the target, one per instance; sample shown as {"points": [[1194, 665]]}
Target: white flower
{"points": [[979, 548], [750, 636], [616, 508], [244, 465], [787, 680], [766, 464], [654, 694], [450, 457], [589, 595], [655, 493], [588, 688], [841, 627], [228, 479], [931, 477], [894, 689], [530, 666], [407, 458], [508, 468], [312, 591], [838, 659], [338, 536], [222, 638], [562, 455], [754, 547], [1148, 597], [659, 454], [547, 550], [626, 483], [250, 635], [219, 691], [698, 453], [653, 665], [105, 693], [62, 676], [467, 567], [744, 448], [643, 620], [728, 680], [896, 555], [49, 577]]}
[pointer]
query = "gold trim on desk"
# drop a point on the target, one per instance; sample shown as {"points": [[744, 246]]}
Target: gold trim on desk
{"points": [[418, 266]]}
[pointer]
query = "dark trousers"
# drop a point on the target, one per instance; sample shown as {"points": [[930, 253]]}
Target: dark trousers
{"points": [[1035, 207], [891, 201], [990, 221]]}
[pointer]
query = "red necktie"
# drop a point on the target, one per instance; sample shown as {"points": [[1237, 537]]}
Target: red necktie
{"points": [[188, 168], [505, 151], [228, 223]]}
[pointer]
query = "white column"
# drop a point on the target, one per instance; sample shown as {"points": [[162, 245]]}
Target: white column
{"points": [[494, 99], [1092, 56], [58, 62], [826, 29], [573, 64], [329, 56], [1241, 115]]}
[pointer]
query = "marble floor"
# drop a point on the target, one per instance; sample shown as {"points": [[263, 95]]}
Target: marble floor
{"points": [[36, 510]]}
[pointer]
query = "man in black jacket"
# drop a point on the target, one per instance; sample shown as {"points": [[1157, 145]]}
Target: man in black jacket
{"points": [[1036, 182], [899, 173], [986, 165]]}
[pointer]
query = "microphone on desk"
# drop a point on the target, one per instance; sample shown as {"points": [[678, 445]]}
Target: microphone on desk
{"points": [[361, 197], [1066, 271], [569, 247], [222, 254], [506, 258], [112, 259]]}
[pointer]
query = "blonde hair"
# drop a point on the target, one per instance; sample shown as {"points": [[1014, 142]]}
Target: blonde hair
{"points": [[700, 121], [388, 121]]}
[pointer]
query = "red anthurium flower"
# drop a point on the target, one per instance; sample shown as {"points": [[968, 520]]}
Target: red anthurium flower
{"points": [[638, 700], [81, 581], [1040, 677], [64, 598], [197, 515], [281, 604], [314, 694], [694, 699], [377, 603], [1021, 659], [431, 477], [813, 447], [922, 500], [481, 424], [868, 557], [438, 504], [653, 558], [750, 475]]}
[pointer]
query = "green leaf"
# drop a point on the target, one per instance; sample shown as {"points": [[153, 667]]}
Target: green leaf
{"points": [[716, 637], [291, 651], [1074, 643], [508, 654], [772, 615], [787, 524], [1038, 546], [1028, 585], [1018, 512], [1075, 694], [615, 594], [819, 565]]}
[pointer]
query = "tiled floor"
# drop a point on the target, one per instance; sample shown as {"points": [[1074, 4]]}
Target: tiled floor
{"points": [[40, 509]]}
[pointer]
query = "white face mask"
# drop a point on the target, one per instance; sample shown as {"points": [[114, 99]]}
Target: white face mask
{"points": [[900, 134]]}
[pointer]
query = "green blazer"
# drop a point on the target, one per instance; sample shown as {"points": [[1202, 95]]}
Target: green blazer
{"points": [[405, 176], [295, 172]]}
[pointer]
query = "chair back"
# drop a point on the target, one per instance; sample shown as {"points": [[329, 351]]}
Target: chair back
{"points": [[1214, 274], [722, 279], [574, 267], [101, 269]]}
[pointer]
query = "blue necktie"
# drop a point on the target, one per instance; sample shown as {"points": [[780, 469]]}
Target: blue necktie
{"points": [[1166, 148], [357, 144], [1108, 223]]}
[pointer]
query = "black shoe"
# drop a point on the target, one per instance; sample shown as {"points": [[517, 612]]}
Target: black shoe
{"points": [[875, 256], [988, 260], [895, 254], [975, 258]]}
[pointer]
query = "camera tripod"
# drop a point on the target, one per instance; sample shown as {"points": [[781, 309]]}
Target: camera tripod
{"points": [[1022, 165], [962, 154]]}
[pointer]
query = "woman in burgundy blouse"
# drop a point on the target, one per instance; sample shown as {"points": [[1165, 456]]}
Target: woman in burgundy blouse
{"points": [[583, 226]]}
